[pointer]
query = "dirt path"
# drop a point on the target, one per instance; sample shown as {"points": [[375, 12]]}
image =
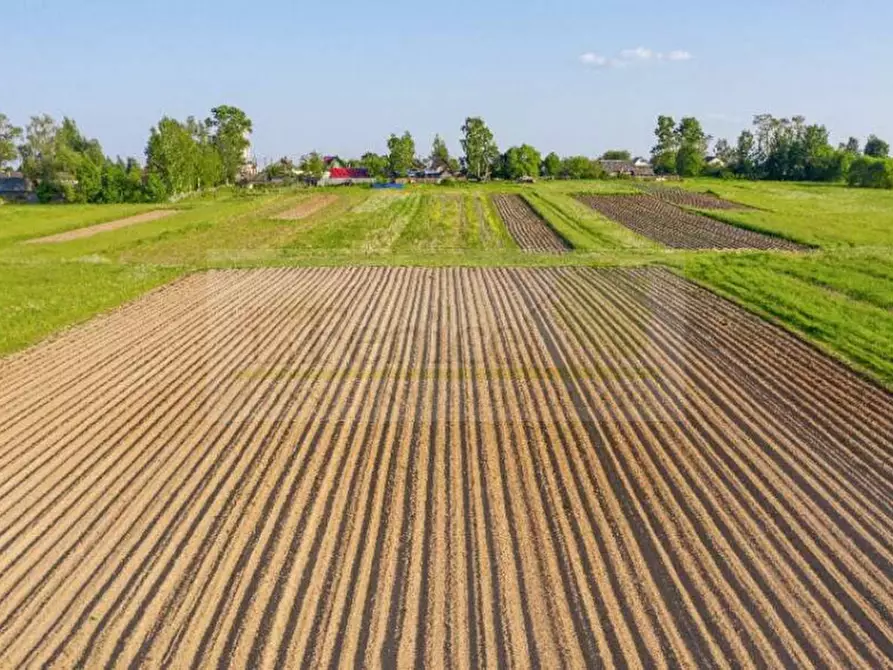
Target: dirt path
{"points": [[482, 468], [307, 208], [90, 231], [527, 227]]}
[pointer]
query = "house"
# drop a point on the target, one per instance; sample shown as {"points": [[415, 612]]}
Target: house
{"points": [[335, 175], [627, 168], [435, 173], [14, 187]]}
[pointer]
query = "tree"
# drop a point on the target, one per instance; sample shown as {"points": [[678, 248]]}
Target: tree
{"points": [[692, 145], [440, 154], [172, 157], [401, 154], [523, 161], [875, 147], [9, 134], [852, 146], [230, 128], [663, 154], [376, 165], [38, 150], [724, 151], [313, 165], [617, 155], [479, 147], [744, 165], [551, 166], [869, 172], [580, 167]]}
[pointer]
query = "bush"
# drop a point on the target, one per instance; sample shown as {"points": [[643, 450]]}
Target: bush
{"points": [[867, 172]]}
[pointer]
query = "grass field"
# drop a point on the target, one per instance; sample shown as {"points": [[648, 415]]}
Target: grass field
{"points": [[838, 296]]}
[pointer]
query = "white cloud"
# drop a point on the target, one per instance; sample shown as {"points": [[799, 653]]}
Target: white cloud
{"points": [[593, 59], [639, 53], [679, 55], [630, 56]]}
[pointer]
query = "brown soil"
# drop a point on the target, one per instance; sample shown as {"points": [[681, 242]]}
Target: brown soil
{"points": [[679, 228], [395, 467], [104, 227], [526, 226], [307, 208], [684, 198]]}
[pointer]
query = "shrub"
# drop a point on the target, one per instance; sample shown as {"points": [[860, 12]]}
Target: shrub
{"points": [[867, 172]]}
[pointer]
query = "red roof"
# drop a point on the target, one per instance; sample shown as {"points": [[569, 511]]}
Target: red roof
{"points": [[349, 173]]}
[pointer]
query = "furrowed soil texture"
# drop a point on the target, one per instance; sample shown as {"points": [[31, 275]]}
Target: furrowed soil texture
{"points": [[457, 467], [525, 225], [307, 208], [90, 231], [683, 198], [678, 228]]}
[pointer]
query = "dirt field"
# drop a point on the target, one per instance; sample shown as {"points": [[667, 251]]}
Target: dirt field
{"points": [[678, 228], [684, 198], [307, 208], [104, 227], [525, 225], [480, 468]]}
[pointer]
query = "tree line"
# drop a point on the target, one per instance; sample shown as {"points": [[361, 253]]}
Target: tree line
{"points": [[481, 159], [180, 157], [779, 149]]}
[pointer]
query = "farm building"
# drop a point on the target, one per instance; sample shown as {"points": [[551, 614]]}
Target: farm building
{"points": [[637, 168], [15, 187], [339, 173]]}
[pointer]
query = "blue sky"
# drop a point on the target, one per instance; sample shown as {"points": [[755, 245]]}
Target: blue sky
{"points": [[341, 76]]}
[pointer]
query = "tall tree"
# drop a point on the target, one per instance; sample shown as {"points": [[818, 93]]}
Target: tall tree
{"points": [[852, 146], [401, 153], [440, 154], [38, 149], [663, 154], [312, 164], [479, 147], [744, 161], [724, 151], [523, 161], [617, 155], [875, 147], [692, 144], [9, 135], [171, 156], [580, 167], [230, 128], [551, 166]]}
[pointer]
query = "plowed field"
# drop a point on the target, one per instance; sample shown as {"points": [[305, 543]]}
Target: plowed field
{"points": [[390, 467], [526, 226], [684, 198], [90, 231], [678, 228]]}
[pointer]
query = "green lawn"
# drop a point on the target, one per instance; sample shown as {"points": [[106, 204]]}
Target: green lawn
{"points": [[840, 296]]}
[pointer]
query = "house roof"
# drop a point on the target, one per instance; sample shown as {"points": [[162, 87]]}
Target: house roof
{"points": [[349, 173], [626, 167]]}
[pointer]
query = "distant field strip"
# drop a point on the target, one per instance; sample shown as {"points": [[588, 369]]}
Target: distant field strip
{"points": [[104, 227], [391, 467], [307, 208], [679, 228], [528, 229]]}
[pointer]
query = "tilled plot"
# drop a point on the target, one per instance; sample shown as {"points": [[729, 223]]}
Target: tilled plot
{"points": [[525, 225], [684, 198], [678, 228], [391, 467]]}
